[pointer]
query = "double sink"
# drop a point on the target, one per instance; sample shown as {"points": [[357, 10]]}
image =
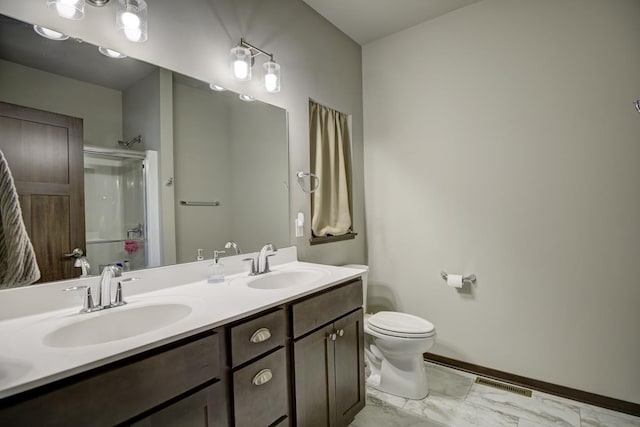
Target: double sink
{"points": [[152, 314]]}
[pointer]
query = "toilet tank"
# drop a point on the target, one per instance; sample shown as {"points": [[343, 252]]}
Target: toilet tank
{"points": [[364, 281]]}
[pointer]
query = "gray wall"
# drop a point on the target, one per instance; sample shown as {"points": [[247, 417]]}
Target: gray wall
{"points": [[318, 61], [507, 145], [201, 132], [99, 107], [258, 170]]}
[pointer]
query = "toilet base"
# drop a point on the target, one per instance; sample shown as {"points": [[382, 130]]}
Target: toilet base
{"points": [[403, 377]]}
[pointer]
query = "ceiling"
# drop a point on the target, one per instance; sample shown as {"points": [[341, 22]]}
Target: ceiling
{"points": [[368, 20], [70, 58]]}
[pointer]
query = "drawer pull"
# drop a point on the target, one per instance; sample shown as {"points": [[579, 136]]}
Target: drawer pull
{"points": [[260, 335], [262, 377]]}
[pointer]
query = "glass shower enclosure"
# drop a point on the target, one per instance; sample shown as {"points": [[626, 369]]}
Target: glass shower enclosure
{"points": [[119, 208]]}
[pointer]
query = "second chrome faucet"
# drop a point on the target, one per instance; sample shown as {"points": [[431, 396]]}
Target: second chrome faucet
{"points": [[261, 265]]}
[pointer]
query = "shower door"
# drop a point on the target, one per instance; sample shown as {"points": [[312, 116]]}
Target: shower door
{"points": [[115, 209]]}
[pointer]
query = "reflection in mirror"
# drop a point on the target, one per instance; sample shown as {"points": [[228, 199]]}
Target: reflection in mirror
{"points": [[149, 140]]}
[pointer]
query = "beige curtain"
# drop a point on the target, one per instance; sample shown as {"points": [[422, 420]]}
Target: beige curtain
{"points": [[330, 157]]}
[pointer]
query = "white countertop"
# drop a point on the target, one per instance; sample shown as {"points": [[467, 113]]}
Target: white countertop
{"points": [[27, 362]]}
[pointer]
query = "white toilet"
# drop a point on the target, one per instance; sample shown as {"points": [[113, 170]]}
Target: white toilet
{"points": [[394, 344]]}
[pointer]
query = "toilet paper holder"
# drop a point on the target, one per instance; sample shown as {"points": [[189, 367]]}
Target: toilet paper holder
{"points": [[469, 278]]}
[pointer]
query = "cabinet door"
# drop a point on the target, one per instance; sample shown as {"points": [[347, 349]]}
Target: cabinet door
{"points": [[205, 408], [314, 379], [349, 367]]}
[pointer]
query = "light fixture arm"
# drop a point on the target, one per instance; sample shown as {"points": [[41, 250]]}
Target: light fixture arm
{"points": [[254, 50]]}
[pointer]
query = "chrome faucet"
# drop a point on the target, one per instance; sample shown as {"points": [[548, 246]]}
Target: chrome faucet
{"points": [[262, 264], [108, 273], [83, 263], [104, 298], [231, 244], [263, 258], [137, 230]]}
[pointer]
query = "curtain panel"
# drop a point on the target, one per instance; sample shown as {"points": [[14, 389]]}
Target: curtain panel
{"points": [[330, 160]]}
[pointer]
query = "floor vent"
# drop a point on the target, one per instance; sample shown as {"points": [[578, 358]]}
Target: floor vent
{"points": [[502, 386]]}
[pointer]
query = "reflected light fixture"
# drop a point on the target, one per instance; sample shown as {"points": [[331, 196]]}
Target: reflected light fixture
{"points": [[131, 15], [242, 59], [110, 53], [216, 87], [131, 19], [246, 98], [49, 33], [68, 9]]}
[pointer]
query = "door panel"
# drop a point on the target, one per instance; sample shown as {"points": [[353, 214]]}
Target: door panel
{"points": [[44, 152], [49, 218], [349, 367], [314, 379]]}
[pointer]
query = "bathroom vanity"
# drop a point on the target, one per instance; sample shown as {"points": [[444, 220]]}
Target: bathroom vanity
{"points": [[297, 359]]}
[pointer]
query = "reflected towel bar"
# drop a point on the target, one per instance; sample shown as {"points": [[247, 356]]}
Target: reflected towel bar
{"points": [[187, 203]]}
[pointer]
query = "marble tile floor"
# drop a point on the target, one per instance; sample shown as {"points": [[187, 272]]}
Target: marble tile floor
{"points": [[456, 401]]}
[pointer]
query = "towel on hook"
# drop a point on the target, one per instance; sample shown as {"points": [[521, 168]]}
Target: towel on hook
{"points": [[18, 266]]}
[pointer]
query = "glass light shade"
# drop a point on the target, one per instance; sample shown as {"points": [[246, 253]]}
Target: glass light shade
{"points": [[68, 9], [49, 33], [271, 76], [241, 63], [131, 19]]}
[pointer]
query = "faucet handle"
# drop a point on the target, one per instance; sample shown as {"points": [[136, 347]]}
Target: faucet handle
{"points": [[119, 297], [252, 272], [266, 263], [88, 305]]}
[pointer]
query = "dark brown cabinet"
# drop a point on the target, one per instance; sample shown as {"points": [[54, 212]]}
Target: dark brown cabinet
{"points": [[204, 408], [240, 374], [329, 361], [123, 391]]}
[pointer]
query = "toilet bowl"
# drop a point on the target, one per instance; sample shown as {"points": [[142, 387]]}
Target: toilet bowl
{"points": [[394, 347]]}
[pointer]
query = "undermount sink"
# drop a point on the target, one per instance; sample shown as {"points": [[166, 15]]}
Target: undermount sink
{"points": [[116, 324], [286, 278]]}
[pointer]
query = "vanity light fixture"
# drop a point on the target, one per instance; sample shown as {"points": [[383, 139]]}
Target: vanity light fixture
{"points": [[110, 53], [49, 33], [242, 59], [131, 15], [271, 76], [241, 62], [216, 87]]}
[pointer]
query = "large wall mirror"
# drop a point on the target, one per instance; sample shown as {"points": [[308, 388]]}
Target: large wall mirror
{"points": [[167, 164]]}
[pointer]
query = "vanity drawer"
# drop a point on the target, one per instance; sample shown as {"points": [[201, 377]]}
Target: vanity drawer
{"points": [[318, 310], [257, 336], [118, 392], [260, 391]]}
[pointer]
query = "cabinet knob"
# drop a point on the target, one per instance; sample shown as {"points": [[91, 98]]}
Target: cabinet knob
{"points": [[341, 332], [260, 335], [262, 377], [332, 336]]}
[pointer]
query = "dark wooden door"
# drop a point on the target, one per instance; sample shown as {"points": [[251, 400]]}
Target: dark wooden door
{"points": [[349, 367], [45, 155], [314, 379]]}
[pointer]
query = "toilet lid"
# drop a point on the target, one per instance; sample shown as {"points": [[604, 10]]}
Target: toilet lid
{"points": [[401, 324]]}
